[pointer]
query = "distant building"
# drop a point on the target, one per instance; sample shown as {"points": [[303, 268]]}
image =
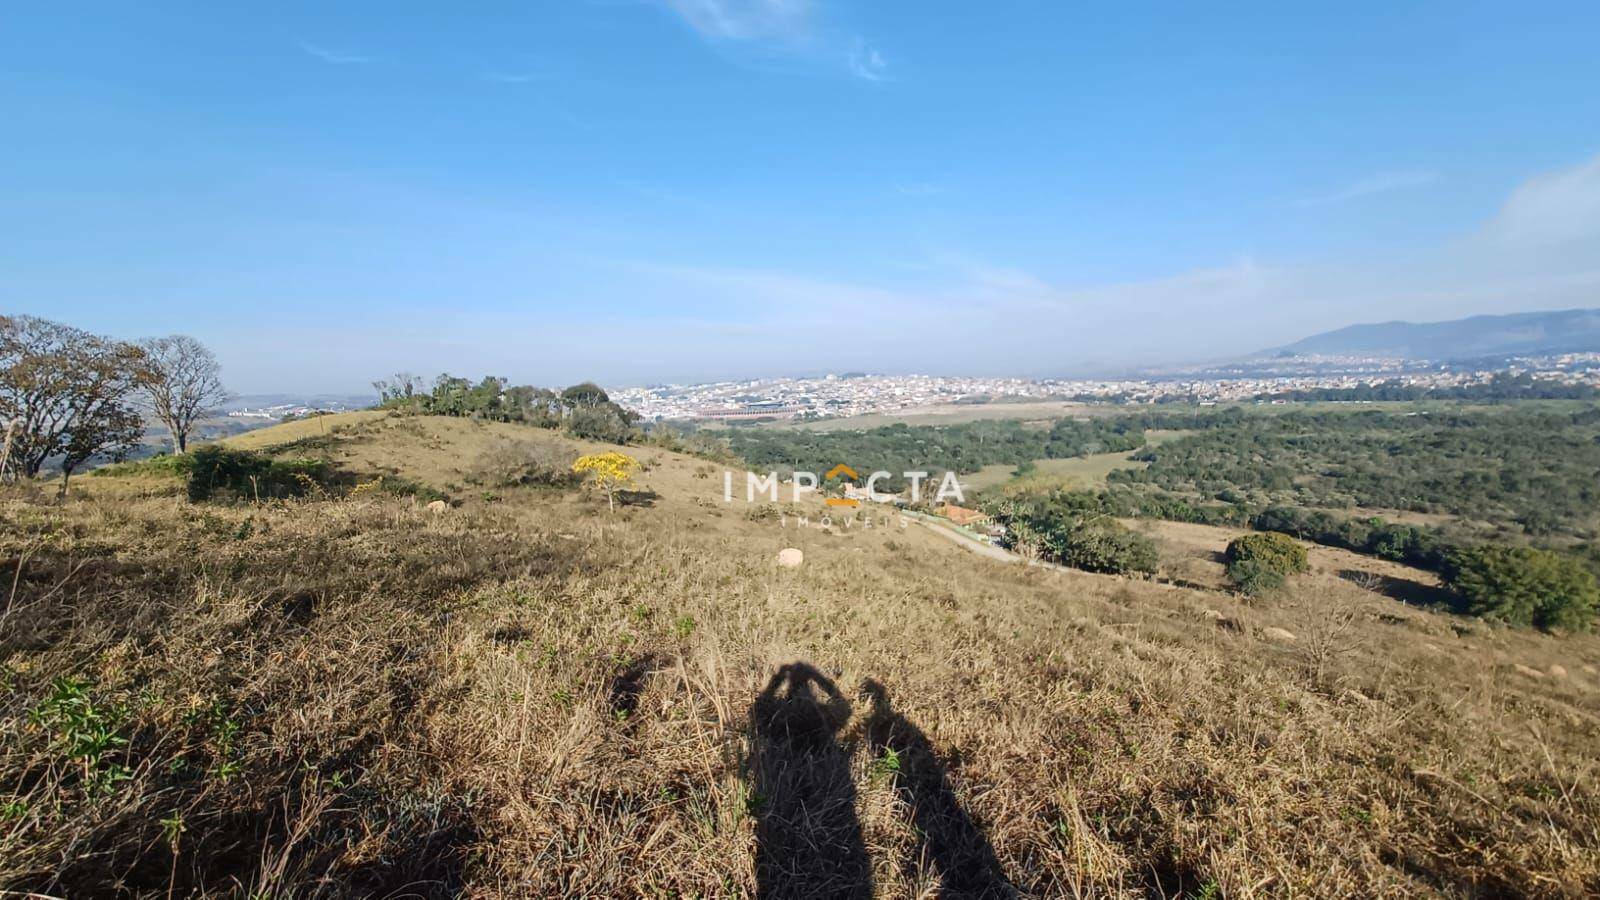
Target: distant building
{"points": [[967, 518]]}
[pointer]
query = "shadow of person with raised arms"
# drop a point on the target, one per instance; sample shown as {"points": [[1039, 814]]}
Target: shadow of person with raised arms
{"points": [[946, 834], [809, 841]]}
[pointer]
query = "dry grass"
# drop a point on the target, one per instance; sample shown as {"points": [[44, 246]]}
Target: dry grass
{"points": [[531, 697]]}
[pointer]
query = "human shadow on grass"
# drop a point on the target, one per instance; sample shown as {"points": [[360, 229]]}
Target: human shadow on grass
{"points": [[809, 840], [946, 834]]}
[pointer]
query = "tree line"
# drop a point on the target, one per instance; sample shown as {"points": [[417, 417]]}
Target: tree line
{"points": [[584, 410], [68, 396], [1525, 470], [962, 448], [1501, 386]]}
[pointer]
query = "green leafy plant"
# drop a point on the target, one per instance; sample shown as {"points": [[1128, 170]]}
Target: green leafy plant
{"points": [[1260, 563], [886, 765], [250, 475], [1524, 586], [86, 733]]}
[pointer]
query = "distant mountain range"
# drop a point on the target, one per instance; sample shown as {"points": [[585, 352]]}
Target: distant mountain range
{"points": [[1519, 334]]}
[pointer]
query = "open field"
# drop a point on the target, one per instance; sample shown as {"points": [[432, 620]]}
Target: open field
{"points": [[527, 696], [1070, 471], [316, 426]]}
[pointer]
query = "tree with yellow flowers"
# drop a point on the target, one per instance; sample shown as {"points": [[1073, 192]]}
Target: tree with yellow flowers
{"points": [[607, 472]]}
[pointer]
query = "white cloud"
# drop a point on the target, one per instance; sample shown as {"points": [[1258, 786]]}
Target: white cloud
{"points": [[1381, 183], [1541, 251], [1553, 208], [787, 28], [333, 57], [867, 63], [743, 20]]}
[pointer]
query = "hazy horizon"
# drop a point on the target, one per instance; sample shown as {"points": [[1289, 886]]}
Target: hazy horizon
{"points": [[701, 190]]}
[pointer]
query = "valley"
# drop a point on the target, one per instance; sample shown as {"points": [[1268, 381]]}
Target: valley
{"points": [[525, 694]]}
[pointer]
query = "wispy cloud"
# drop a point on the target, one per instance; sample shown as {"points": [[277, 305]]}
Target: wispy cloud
{"points": [[1537, 252], [1381, 183], [781, 28], [866, 62], [1555, 207], [332, 57], [743, 20]]}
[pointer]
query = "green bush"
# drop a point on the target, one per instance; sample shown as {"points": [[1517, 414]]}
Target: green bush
{"points": [[214, 469], [1083, 541], [161, 464], [1256, 577], [1260, 563], [1106, 546], [605, 422], [1524, 586]]}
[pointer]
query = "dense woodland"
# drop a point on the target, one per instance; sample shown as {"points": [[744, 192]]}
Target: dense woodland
{"points": [[1502, 386], [963, 448], [1531, 470], [1525, 469], [1496, 478]]}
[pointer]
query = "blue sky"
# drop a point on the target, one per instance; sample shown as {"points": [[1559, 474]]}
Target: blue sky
{"points": [[663, 190]]}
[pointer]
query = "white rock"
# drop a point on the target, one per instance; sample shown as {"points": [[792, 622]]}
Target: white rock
{"points": [[1558, 671], [790, 558], [1278, 634]]}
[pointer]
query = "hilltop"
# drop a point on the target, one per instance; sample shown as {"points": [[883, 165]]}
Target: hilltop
{"points": [[1563, 331], [526, 695]]}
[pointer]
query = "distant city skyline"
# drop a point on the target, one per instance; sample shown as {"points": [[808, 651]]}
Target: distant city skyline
{"points": [[654, 191]]}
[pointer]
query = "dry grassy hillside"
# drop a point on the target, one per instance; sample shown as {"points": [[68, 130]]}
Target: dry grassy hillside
{"points": [[530, 696]]}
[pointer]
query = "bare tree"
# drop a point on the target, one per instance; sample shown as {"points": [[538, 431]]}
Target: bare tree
{"points": [[64, 394], [184, 384]]}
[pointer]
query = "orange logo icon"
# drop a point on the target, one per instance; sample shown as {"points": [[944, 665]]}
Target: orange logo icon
{"points": [[835, 472]]}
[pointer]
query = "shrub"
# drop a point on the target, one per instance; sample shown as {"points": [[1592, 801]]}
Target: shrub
{"points": [[214, 468], [1260, 563], [608, 472], [510, 463], [606, 422], [172, 464], [1063, 531], [396, 486], [1524, 586], [1106, 546]]}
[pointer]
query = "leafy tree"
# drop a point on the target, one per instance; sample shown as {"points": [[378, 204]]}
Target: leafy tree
{"points": [[402, 390], [1256, 577], [185, 383], [65, 394], [1074, 529], [450, 396], [608, 472], [536, 406], [583, 395], [603, 422], [1525, 586], [1260, 563]]}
